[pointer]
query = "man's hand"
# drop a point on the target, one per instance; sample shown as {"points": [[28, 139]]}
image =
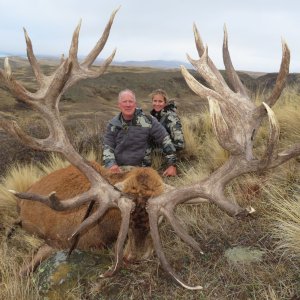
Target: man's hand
{"points": [[115, 169], [170, 171]]}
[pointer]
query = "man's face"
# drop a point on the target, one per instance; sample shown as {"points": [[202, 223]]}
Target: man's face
{"points": [[127, 105], [158, 102]]}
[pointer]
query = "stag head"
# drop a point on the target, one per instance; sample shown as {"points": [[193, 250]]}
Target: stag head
{"points": [[235, 120]]}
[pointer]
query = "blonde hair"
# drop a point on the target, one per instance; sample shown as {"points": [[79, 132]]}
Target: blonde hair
{"points": [[160, 92]]}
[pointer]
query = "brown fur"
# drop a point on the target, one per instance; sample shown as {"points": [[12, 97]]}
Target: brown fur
{"points": [[56, 227]]}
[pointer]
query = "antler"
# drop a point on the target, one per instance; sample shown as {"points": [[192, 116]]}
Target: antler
{"points": [[45, 100], [235, 120]]}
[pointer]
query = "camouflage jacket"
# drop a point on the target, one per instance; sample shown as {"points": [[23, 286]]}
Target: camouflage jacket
{"points": [[128, 143], [170, 120]]}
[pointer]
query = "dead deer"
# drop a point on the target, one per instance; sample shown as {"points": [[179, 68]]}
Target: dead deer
{"points": [[55, 227], [235, 119]]}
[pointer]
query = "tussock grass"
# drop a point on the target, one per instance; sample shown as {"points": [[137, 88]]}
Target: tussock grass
{"points": [[19, 178], [286, 218], [56, 161], [272, 231], [157, 160], [287, 112], [12, 286], [203, 143], [212, 155], [190, 128]]}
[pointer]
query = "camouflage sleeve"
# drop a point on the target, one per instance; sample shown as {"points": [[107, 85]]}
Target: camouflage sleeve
{"points": [[108, 155], [169, 151], [176, 133]]}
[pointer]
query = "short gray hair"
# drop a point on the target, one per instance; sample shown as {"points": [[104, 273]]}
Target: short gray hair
{"points": [[126, 91]]}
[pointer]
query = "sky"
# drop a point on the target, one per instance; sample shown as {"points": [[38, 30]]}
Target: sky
{"points": [[158, 29]]}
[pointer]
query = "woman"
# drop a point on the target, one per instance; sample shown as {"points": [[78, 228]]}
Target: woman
{"points": [[165, 112]]}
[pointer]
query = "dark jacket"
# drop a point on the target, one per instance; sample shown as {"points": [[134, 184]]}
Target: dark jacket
{"points": [[128, 143]]}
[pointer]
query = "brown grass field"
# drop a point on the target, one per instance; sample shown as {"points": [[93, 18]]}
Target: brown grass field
{"points": [[256, 258]]}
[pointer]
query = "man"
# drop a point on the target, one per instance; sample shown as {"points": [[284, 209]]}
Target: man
{"points": [[128, 135]]}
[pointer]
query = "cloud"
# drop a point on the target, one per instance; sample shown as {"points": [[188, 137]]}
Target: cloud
{"points": [[148, 30]]}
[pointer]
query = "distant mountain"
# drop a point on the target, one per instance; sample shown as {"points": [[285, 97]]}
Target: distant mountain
{"points": [[160, 64]]}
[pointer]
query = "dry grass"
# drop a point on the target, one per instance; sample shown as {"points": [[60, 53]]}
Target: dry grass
{"points": [[12, 286], [287, 112], [190, 127], [204, 145], [273, 231], [56, 161], [286, 218], [18, 178], [13, 251]]}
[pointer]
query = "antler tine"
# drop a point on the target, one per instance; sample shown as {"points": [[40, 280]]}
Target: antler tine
{"points": [[153, 221], [104, 66], [232, 76], [272, 140], [45, 100], [101, 42], [282, 75], [126, 206], [15, 87], [280, 82], [32, 59], [14, 130], [103, 207], [74, 46], [180, 231], [210, 74], [198, 41], [201, 49], [52, 201], [165, 204], [285, 155], [197, 87]]}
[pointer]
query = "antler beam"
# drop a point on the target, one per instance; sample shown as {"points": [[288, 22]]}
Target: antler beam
{"points": [[235, 120]]}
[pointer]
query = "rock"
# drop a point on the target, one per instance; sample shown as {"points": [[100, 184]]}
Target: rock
{"points": [[58, 275], [243, 255]]}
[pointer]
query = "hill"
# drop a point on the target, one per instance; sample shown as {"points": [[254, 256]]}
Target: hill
{"points": [[93, 101], [99, 95]]}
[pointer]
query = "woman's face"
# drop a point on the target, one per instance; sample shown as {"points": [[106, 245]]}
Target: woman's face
{"points": [[158, 102]]}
